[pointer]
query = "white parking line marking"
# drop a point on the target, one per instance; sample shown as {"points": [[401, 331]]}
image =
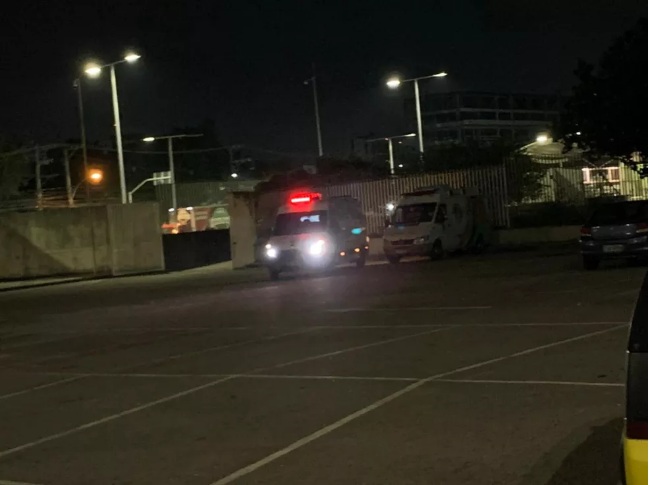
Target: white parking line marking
{"points": [[406, 309], [361, 412], [111, 417], [192, 390], [74, 377], [431, 325], [329, 378], [352, 349], [245, 375], [550, 383], [194, 353], [11, 482]]}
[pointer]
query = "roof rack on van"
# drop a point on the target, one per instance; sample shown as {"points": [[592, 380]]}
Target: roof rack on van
{"points": [[432, 190]]}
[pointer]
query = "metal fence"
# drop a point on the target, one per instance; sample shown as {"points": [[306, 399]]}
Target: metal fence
{"points": [[561, 189], [375, 195]]}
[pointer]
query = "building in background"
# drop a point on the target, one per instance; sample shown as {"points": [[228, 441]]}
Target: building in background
{"points": [[479, 117]]}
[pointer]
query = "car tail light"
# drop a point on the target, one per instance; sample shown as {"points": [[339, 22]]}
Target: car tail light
{"points": [[641, 227], [305, 198], [586, 232], [636, 430]]}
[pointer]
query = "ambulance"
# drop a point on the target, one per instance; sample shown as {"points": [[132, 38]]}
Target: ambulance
{"points": [[434, 221], [315, 233]]}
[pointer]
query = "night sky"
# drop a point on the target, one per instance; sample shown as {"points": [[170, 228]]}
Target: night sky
{"points": [[243, 62]]}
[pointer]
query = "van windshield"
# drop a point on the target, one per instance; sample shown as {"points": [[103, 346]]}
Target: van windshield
{"points": [[415, 213], [300, 223]]}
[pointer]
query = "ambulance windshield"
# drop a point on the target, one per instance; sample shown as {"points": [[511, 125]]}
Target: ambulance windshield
{"points": [[300, 223], [413, 214]]}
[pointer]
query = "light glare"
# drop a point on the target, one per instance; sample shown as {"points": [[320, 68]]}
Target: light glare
{"points": [[393, 83], [92, 70]]}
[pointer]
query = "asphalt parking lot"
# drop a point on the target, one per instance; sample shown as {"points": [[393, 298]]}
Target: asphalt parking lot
{"points": [[503, 369]]}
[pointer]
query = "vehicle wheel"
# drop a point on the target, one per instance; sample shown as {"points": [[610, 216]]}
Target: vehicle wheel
{"points": [[360, 262], [273, 274], [393, 259], [437, 252], [590, 263]]}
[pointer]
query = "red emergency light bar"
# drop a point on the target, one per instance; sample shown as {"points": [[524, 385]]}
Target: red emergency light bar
{"points": [[305, 198]]}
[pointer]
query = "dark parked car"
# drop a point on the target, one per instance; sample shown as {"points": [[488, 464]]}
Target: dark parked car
{"points": [[634, 438], [615, 230]]}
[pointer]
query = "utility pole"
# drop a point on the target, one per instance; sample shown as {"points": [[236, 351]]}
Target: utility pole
{"points": [[39, 186], [68, 181], [316, 107], [172, 173], [82, 123]]}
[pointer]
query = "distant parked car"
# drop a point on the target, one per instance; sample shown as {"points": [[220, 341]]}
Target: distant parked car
{"points": [[615, 230]]}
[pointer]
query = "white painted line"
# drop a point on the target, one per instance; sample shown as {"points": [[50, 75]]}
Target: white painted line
{"points": [[11, 482], [433, 325], [111, 417], [551, 383], [361, 412], [352, 349], [194, 353], [246, 375], [407, 309], [329, 378], [42, 386]]}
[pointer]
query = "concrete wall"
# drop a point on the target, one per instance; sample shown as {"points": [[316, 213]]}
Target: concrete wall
{"points": [[243, 232], [135, 238], [101, 240]]}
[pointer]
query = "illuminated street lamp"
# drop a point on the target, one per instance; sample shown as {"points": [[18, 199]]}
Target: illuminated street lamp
{"points": [[94, 176], [170, 150], [541, 139], [390, 150], [394, 83], [93, 71]]}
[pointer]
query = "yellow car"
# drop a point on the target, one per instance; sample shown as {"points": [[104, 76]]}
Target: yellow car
{"points": [[634, 440]]}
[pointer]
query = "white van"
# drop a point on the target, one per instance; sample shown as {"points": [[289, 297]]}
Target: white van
{"points": [[432, 221], [310, 232]]}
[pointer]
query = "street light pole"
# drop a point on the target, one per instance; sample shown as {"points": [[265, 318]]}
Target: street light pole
{"points": [[118, 134], [391, 153], [420, 129], [394, 83], [172, 172], [82, 123], [93, 70], [390, 147], [316, 107], [170, 151]]}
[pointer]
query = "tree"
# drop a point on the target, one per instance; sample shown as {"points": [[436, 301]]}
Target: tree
{"points": [[15, 170], [606, 114]]}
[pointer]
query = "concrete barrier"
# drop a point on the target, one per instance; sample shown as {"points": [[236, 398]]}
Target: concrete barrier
{"points": [[101, 240]]}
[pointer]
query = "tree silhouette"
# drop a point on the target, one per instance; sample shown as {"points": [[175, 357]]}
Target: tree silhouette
{"points": [[606, 114]]}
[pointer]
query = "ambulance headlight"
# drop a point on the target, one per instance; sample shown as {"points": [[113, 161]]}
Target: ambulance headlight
{"points": [[317, 248], [271, 252]]}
